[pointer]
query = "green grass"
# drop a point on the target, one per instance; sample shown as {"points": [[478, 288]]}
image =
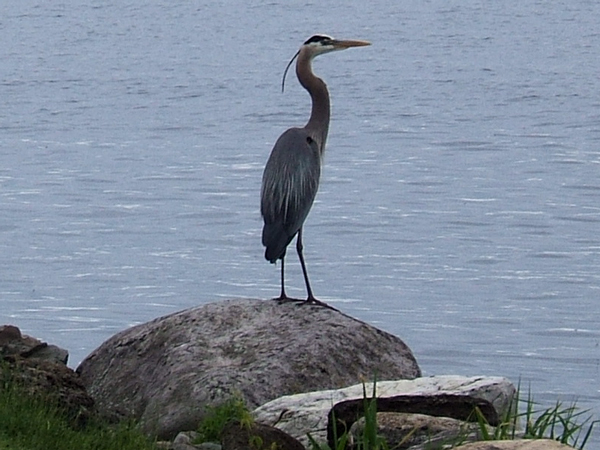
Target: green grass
{"points": [[217, 417], [566, 424], [32, 423]]}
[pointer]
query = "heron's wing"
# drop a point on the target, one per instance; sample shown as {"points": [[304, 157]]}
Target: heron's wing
{"points": [[290, 183]]}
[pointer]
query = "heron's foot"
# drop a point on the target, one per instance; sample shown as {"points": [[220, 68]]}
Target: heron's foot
{"points": [[285, 299], [313, 301]]}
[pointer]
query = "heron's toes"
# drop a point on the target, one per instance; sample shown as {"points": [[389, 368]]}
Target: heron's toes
{"points": [[313, 301]]}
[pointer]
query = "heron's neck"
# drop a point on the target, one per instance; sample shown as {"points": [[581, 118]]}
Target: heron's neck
{"points": [[318, 124]]}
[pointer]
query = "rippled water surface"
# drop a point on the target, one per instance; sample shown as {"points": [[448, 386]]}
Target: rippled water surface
{"points": [[460, 200]]}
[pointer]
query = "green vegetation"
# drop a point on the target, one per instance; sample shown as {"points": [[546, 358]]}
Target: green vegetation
{"points": [[218, 416], [31, 423], [565, 424]]}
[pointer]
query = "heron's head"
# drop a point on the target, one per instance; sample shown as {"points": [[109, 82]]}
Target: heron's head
{"points": [[319, 44]]}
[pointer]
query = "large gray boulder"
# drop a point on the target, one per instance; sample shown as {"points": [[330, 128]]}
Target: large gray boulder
{"points": [[167, 371]]}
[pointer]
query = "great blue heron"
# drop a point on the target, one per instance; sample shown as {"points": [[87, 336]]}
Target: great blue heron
{"points": [[291, 177]]}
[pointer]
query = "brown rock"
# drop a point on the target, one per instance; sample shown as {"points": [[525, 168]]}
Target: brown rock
{"points": [[456, 406], [404, 430], [40, 370], [15, 344], [9, 333], [52, 382], [257, 436], [525, 444]]}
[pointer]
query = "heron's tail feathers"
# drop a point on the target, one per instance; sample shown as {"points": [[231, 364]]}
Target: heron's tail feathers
{"points": [[276, 239]]}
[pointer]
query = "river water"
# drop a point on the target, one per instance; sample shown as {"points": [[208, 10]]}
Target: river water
{"points": [[459, 206]]}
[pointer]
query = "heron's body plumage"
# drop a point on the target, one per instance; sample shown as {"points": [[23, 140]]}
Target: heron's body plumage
{"points": [[289, 187]]}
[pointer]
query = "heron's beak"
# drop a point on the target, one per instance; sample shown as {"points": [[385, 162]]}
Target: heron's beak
{"points": [[347, 44]]}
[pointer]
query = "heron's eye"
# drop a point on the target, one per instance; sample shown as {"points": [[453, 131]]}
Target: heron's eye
{"points": [[323, 40], [309, 140]]}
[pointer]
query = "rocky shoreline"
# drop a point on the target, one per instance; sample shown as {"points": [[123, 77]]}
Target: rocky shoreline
{"points": [[298, 367]]}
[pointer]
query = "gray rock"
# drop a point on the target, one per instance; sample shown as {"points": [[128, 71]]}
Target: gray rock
{"points": [[300, 414], [209, 446], [185, 441], [166, 372]]}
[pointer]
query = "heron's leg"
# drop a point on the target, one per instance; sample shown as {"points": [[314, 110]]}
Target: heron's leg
{"points": [[311, 298], [282, 296]]}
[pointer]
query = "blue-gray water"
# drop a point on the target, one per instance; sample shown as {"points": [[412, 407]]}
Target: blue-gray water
{"points": [[459, 206]]}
